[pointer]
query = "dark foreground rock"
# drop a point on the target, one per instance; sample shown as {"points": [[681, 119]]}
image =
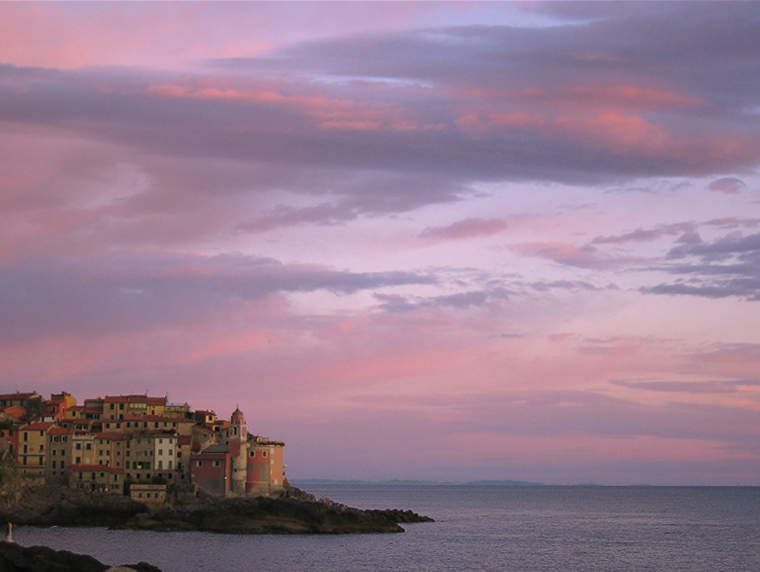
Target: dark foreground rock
{"points": [[295, 512], [15, 558]]}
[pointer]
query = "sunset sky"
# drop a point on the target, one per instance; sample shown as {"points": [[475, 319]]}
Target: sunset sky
{"points": [[418, 241]]}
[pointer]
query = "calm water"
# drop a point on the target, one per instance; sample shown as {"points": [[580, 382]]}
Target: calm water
{"points": [[480, 528]]}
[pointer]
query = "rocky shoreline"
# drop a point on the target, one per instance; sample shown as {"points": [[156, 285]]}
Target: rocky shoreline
{"points": [[15, 558], [295, 512]]}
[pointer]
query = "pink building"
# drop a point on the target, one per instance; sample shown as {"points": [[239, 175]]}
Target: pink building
{"points": [[240, 464]]}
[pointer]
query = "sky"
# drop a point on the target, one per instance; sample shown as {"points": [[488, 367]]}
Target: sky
{"points": [[447, 241]]}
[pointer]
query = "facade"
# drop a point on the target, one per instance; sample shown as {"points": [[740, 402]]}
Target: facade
{"points": [[241, 464], [122, 442], [150, 494]]}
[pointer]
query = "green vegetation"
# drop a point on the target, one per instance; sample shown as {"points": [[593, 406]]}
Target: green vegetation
{"points": [[10, 480]]}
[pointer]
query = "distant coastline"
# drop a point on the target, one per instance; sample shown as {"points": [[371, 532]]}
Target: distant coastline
{"points": [[315, 481]]}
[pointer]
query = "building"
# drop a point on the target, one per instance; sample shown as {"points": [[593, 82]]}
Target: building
{"points": [[241, 464], [32, 452], [117, 442], [150, 494]]}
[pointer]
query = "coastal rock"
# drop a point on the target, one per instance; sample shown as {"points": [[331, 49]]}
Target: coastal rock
{"points": [[266, 516], [15, 558], [294, 512], [62, 506]]}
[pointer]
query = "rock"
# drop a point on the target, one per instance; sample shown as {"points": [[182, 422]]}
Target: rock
{"points": [[15, 558], [292, 512]]}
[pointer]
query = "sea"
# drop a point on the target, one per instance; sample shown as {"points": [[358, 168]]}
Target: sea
{"points": [[520, 528]]}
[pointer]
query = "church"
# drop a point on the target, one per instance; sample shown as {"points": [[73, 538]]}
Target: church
{"points": [[239, 464]]}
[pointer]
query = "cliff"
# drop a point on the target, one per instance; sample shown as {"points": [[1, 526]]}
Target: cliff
{"points": [[295, 512]]}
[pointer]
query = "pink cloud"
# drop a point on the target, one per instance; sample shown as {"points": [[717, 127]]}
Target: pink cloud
{"points": [[610, 96], [568, 254], [466, 228]]}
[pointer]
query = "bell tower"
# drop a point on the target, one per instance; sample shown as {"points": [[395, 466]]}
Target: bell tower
{"points": [[238, 447]]}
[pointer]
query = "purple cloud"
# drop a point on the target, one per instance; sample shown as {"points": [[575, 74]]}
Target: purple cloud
{"points": [[728, 185]]}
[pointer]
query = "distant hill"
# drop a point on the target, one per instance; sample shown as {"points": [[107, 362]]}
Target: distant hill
{"points": [[306, 482]]}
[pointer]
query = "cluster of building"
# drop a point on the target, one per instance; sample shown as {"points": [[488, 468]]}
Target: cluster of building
{"points": [[137, 445]]}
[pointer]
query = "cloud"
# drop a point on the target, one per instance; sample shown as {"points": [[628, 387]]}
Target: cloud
{"points": [[728, 266], [721, 386], [429, 109], [122, 292], [645, 234], [466, 228], [727, 185], [460, 300], [586, 256]]}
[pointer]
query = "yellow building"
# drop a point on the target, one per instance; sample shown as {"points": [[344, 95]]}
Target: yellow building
{"points": [[32, 451]]}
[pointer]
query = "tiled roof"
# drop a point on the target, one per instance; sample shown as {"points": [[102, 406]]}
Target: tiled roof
{"points": [[215, 449], [61, 431], [111, 435], [159, 418], [40, 426], [15, 411], [135, 399], [7, 396]]}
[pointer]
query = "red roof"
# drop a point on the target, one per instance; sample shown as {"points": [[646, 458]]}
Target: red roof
{"points": [[96, 468], [7, 396], [135, 399], [15, 411], [111, 435], [61, 431], [40, 426], [145, 418]]}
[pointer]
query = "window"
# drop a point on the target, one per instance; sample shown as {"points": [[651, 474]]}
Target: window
{"points": [[78, 446], [198, 463], [42, 448], [26, 436], [88, 446], [216, 463], [78, 460]]}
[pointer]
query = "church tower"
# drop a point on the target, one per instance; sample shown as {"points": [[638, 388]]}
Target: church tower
{"points": [[238, 448]]}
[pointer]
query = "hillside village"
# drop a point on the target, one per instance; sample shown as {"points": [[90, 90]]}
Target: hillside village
{"points": [[137, 445]]}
